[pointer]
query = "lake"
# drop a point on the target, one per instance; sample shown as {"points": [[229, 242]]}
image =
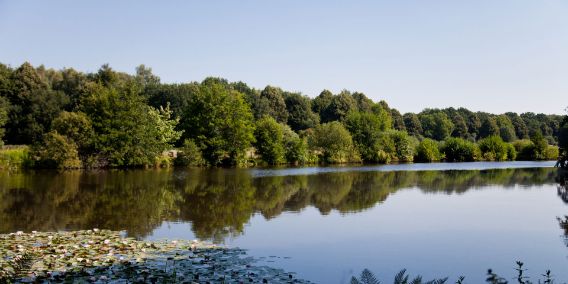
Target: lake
{"points": [[325, 223]]}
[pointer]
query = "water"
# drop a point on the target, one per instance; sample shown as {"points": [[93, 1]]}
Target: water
{"points": [[325, 223]]}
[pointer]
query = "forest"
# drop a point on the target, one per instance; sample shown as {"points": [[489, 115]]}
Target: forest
{"points": [[68, 119]]}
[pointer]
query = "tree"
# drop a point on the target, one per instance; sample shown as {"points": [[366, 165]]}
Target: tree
{"points": [[296, 148], [4, 110], [364, 104], [300, 115], [340, 106], [436, 125], [322, 102], [488, 127], [334, 142], [365, 129], [459, 150], [460, 126], [521, 130], [563, 136], [34, 106], [540, 146], [57, 151], [221, 124], [506, 128], [472, 121], [128, 132], [493, 148], [397, 120], [270, 140], [412, 124], [271, 103], [77, 127], [427, 151]]}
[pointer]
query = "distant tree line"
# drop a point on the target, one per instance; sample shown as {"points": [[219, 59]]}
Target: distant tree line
{"points": [[72, 119]]}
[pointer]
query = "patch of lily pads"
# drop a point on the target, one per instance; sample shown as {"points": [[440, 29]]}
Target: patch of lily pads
{"points": [[102, 256]]}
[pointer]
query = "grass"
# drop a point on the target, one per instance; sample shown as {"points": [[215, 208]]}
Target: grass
{"points": [[15, 158]]}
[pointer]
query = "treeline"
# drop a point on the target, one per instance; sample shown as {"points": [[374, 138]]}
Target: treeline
{"points": [[113, 119]]}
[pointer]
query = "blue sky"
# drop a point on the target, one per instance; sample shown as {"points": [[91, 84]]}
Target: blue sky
{"points": [[490, 55]]}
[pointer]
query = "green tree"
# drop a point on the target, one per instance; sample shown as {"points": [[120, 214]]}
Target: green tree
{"points": [[397, 120], [436, 124], [4, 110], [300, 115], [322, 102], [271, 103], [365, 129], [77, 127], [427, 151], [339, 107], [521, 130], [270, 140], [334, 142], [128, 132], [540, 146], [295, 147], [221, 123], [488, 127], [506, 128], [189, 155], [57, 151], [412, 124], [460, 126], [493, 148], [459, 150], [34, 106]]}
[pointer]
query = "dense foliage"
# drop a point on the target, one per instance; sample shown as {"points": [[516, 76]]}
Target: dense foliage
{"points": [[113, 119]]}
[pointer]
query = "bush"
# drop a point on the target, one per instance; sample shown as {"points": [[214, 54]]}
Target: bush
{"points": [[295, 148], [334, 142], [189, 155], [427, 151], [552, 152], [269, 140], [525, 150], [511, 152], [493, 148], [15, 158], [57, 151], [460, 150]]}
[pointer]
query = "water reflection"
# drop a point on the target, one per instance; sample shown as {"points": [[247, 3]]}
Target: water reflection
{"points": [[217, 202]]}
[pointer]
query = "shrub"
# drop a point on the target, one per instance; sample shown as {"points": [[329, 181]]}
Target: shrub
{"points": [[427, 151], [295, 148], [460, 150], [189, 155], [493, 148], [15, 158], [525, 150], [269, 140], [57, 151], [552, 152], [334, 142]]}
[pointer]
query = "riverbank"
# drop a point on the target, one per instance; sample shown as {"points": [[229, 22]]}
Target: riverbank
{"points": [[102, 256]]}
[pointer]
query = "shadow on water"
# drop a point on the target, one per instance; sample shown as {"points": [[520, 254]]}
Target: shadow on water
{"points": [[217, 202]]}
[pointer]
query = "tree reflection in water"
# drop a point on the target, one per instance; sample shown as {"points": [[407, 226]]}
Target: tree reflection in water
{"points": [[217, 202], [562, 180]]}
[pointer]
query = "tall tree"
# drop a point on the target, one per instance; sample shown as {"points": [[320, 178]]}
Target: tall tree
{"points": [[488, 127], [271, 103], [221, 123], [412, 124], [436, 124], [300, 115]]}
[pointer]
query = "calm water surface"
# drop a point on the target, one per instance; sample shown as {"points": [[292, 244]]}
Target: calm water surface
{"points": [[325, 223]]}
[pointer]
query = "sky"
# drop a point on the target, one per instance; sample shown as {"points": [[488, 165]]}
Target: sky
{"points": [[485, 55]]}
